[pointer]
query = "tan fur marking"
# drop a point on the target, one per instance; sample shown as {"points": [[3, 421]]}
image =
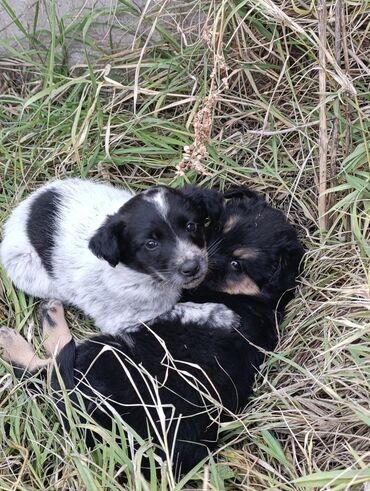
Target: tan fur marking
{"points": [[230, 224], [245, 287], [56, 334], [17, 351], [245, 253]]}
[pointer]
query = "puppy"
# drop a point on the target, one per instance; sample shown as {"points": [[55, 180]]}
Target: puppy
{"points": [[120, 258], [262, 247], [176, 379]]}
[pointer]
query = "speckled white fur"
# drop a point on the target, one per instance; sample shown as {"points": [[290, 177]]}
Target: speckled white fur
{"points": [[116, 298], [216, 314]]}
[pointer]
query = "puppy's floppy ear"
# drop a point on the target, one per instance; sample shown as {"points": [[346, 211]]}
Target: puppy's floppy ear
{"points": [[288, 267], [105, 242], [209, 202], [242, 192]]}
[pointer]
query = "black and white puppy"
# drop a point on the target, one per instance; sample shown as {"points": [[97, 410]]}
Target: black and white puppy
{"points": [[183, 374], [120, 258]]}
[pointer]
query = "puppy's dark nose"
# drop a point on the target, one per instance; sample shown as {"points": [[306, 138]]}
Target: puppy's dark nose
{"points": [[190, 267]]}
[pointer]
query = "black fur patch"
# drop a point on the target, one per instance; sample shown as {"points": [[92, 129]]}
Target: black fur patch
{"points": [[41, 226]]}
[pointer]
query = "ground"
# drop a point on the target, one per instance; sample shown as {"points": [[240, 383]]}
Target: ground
{"points": [[266, 94]]}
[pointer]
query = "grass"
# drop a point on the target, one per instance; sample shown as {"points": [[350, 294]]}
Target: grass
{"points": [[235, 86]]}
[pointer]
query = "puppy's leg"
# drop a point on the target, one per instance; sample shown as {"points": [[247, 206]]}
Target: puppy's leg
{"points": [[216, 314], [17, 351], [56, 333]]}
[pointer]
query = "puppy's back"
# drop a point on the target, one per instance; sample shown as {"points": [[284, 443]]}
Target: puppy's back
{"points": [[59, 216], [83, 206]]}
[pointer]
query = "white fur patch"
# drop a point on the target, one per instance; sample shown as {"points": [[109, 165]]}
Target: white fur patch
{"points": [[214, 314], [160, 201]]}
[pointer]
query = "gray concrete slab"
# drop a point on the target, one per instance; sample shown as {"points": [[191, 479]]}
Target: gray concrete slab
{"points": [[102, 22]]}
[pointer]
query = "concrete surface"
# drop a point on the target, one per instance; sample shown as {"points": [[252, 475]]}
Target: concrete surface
{"points": [[109, 29]]}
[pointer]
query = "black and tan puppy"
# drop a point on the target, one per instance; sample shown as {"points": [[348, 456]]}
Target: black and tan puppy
{"points": [[185, 372]]}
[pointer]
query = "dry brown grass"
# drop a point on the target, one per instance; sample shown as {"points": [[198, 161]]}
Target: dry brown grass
{"points": [[236, 89]]}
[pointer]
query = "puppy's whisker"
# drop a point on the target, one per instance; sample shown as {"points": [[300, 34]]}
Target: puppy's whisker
{"points": [[165, 271], [214, 246], [162, 274], [211, 265], [166, 277], [212, 254]]}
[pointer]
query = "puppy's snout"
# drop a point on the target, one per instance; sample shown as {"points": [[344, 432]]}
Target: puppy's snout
{"points": [[190, 267]]}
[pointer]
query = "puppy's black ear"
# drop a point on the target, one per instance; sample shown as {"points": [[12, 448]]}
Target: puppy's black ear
{"points": [[283, 281], [242, 192], [105, 243], [209, 202]]}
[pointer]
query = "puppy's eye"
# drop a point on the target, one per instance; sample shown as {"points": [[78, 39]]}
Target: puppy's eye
{"points": [[151, 244], [191, 227], [236, 266]]}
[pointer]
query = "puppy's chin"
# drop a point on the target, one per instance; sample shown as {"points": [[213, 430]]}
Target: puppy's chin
{"points": [[178, 281], [194, 282]]}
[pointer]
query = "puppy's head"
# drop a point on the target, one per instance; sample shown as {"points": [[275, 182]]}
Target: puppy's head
{"points": [[160, 232], [254, 251]]}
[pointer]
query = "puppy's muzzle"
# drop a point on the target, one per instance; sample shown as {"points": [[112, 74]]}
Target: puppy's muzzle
{"points": [[193, 271]]}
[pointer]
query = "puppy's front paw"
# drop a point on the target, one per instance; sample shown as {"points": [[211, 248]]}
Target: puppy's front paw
{"points": [[216, 315], [221, 317]]}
